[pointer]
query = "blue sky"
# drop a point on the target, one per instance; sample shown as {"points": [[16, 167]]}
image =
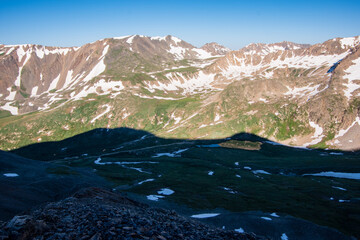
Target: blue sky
{"points": [[228, 22]]}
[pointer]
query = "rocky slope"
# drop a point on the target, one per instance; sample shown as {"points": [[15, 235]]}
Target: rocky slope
{"points": [[291, 93], [99, 214]]}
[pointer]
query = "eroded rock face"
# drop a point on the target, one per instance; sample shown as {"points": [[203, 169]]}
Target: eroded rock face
{"points": [[95, 213]]}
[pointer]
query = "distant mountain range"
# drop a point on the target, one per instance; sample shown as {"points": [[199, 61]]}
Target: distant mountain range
{"points": [[294, 94]]}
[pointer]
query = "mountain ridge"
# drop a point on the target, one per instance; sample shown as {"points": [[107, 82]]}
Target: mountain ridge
{"points": [[259, 79]]}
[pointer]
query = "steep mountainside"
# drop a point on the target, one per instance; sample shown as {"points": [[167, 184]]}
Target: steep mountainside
{"points": [[292, 93]]}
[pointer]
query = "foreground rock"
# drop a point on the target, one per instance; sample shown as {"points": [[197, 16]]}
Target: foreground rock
{"points": [[94, 213]]}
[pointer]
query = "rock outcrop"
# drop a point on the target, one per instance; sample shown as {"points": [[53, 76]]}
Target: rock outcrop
{"points": [[95, 214]]}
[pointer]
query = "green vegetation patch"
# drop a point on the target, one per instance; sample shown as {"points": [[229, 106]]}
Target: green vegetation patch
{"points": [[61, 170], [245, 145]]}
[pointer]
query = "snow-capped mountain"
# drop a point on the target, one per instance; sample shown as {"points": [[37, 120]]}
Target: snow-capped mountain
{"points": [[295, 94], [30, 71], [215, 48]]}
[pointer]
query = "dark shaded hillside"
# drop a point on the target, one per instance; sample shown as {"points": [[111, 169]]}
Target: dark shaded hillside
{"points": [[102, 141], [37, 182], [237, 174], [99, 214]]}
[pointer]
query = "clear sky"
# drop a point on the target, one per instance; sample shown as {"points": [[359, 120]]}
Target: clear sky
{"points": [[228, 22]]}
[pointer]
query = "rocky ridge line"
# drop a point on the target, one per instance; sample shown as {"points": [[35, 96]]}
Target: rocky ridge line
{"points": [[95, 214]]}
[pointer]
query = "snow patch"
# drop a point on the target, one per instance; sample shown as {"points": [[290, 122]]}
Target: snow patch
{"points": [[123, 37], [108, 108], [158, 38], [166, 191], [13, 110], [352, 74], [11, 94], [340, 188], [106, 88], [274, 215], [261, 172], [34, 91], [11, 174], [284, 237], [344, 131], [178, 52], [39, 52], [239, 230], [147, 180], [217, 117], [130, 39], [205, 215], [176, 40], [154, 197], [229, 190], [10, 51], [173, 154], [317, 137], [21, 53], [54, 83], [202, 54], [308, 91], [68, 79], [349, 42], [178, 81], [99, 67], [355, 176]]}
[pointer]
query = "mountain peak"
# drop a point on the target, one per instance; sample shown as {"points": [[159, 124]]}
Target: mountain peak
{"points": [[215, 48], [273, 47]]}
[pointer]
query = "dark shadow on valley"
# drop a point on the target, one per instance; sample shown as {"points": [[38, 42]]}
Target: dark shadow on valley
{"points": [[106, 141], [278, 174]]}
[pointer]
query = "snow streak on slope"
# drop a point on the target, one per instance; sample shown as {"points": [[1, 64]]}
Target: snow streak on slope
{"points": [[11, 95], [342, 132], [353, 76], [308, 91], [179, 82], [106, 88], [99, 68], [54, 83], [21, 53], [179, 52], [108, 108], [318, 135], [244, 66], [202, 54]]}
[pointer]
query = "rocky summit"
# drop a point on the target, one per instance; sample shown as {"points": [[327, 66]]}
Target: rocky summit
{"points": [[294, 94], [95, 214]]}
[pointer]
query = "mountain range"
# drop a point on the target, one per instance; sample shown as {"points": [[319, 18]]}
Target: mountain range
{"points": [[294, 94]]}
